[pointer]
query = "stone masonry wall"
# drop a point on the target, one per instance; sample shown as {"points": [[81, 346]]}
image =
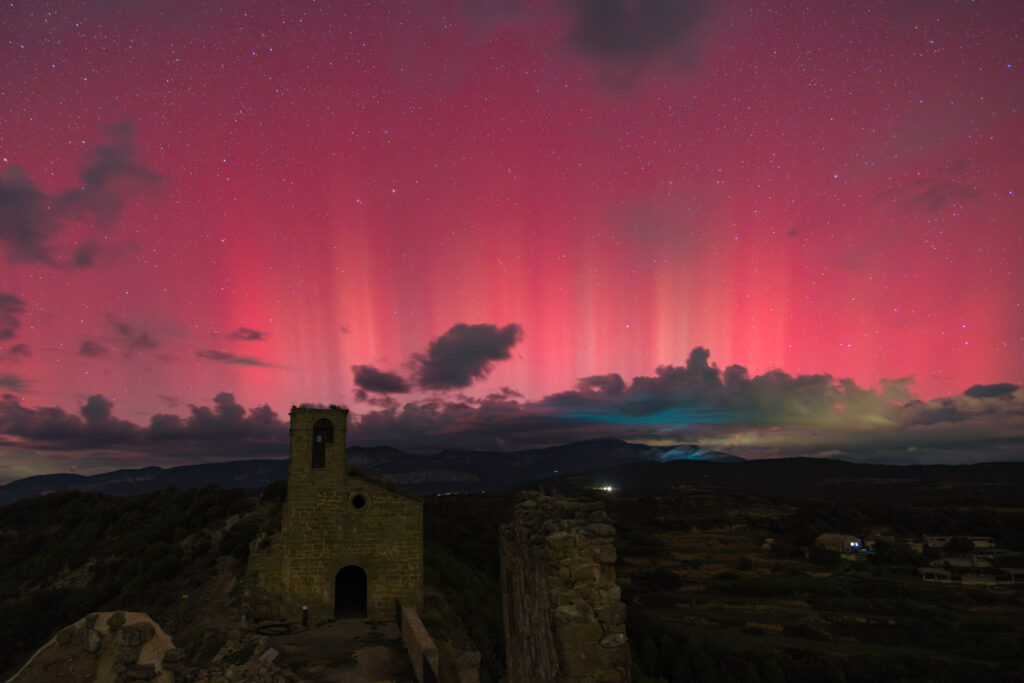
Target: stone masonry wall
{"points": [[263, 577], [418, 643], [564, 617], [334, 518], [324, 532]]}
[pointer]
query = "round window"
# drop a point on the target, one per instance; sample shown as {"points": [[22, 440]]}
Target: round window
{"points": [[358, 501]]}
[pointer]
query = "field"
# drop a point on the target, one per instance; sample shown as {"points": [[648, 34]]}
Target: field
{"points": [[737, 579], [727, 585]]}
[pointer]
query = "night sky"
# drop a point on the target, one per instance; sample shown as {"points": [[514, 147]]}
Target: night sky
{"points": [[770, 227]]}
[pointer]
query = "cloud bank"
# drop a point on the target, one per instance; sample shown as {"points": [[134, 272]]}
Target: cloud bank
{"points": [[226, 427], [771, 414]]}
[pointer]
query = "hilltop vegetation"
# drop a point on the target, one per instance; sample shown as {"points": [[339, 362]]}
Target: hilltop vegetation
{"points": [[726, 586], [179, 556], [709, 599], [164, 553]]}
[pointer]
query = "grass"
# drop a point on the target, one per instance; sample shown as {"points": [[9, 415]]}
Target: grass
{"points": [[782, 602]]}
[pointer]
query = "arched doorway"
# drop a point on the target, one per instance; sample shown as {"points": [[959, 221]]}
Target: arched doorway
{"points": [[350, 593]]}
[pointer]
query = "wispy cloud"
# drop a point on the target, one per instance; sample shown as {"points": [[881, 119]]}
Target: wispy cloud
{"points": [[233, 359]]}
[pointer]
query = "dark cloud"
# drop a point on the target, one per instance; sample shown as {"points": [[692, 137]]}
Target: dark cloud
{"points": [[634, 30], [31, 219], [12, 383], [232, 359], [113, 177], [248, 334], [991, 390], [622, 39], [226, 428], [773, 413], [91, 349], [935, 190], [385, 401], [504, 393], [97, 409], [227, 420], [27, 219], [129, 338], [84, 255], [43, 427], [938, 195], [604, 384], [369, 378], [11, 308], [463, 354], [19, 351]]}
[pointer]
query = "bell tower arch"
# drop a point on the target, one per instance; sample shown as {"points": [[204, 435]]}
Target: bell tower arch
{"points": [[317, 461]]}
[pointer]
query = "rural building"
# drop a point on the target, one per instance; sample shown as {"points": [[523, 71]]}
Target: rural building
{"points": [[936, 540], [840, 543], [349, 546]]}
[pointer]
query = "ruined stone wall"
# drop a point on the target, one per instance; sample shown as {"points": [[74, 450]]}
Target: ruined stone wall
{"points": [[332, 519], [418, 643], [263, 577], [564, 617]]}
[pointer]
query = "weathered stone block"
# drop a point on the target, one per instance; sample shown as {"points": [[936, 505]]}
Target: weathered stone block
{"points": [[613, 640], [576, 632], [560, 624]]}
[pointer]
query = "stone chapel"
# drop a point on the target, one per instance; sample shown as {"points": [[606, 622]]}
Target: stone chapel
{"points": [[349, 546]]}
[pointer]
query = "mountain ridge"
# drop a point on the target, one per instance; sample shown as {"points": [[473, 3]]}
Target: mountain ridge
{"points": [[447, 471]]}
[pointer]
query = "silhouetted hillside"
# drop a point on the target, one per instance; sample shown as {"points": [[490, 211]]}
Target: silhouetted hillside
{"points": [[444, 472], [171, 554], [991, 483]]}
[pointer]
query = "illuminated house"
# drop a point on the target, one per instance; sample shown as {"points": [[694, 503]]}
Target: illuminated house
{"points": [[840, 543]]}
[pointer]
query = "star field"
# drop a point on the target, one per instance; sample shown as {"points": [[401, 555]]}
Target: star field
{"points": [[814, 187]]}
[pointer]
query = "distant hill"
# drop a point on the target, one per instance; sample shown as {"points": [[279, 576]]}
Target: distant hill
{"points": [[444, 472], [581, 465], [995, 483], [240, 474]]}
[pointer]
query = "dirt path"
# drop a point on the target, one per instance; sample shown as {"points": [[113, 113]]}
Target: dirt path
{"points": [[345, 651]]}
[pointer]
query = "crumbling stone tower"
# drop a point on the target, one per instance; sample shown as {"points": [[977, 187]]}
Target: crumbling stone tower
{"points": [[564, 617], [349, 546]]}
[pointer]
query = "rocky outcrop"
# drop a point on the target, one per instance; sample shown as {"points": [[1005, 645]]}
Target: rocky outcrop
{"points": [[118, 647], [108, 647], [564, 617]]}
